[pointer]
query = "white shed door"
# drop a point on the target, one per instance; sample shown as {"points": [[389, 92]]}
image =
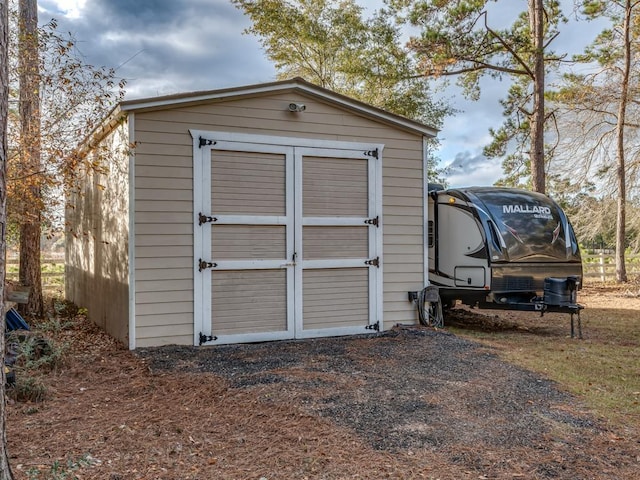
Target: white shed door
{"points": [[289, 242], [336, 236]]}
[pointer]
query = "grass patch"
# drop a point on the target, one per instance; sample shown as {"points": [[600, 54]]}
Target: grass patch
{"points": [[603, 368], [57, 268]]}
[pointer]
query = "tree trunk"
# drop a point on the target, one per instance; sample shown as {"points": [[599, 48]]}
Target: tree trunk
{"points": [[30, 265], [621, 269], [536, 155], [30, 223], [5, 469]]}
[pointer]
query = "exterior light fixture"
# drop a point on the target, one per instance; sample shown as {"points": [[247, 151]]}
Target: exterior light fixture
{"points": [[297, 107]]}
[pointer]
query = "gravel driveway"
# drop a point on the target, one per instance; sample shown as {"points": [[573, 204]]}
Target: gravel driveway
{"points": [[410, 389]]}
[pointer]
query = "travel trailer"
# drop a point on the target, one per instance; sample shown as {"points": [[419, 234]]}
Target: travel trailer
{"points": [[502, 248]]}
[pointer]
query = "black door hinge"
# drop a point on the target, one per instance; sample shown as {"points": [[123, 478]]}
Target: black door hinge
{"points": [[374, 262], [374, 326], [373, 221], [206, 338], [202, 218], [202, 265], [372, 153], [203, 142]]}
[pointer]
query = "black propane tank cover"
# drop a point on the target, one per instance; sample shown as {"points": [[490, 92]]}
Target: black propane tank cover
{"points": [[557, 291]]}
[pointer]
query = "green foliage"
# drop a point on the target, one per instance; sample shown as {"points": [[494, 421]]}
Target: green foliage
{"points": [[37, 355], [28, 389], [67, 309], [456, 39], [511, 141], [59, 471], [307, 38], [608, 47], [329, 43], [54, 325], [593, 8], [38, 352]]}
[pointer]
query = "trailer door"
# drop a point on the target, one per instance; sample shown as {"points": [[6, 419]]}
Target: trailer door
{"points": [[462, 254]]}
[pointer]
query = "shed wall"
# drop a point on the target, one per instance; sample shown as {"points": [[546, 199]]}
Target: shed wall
{"points": [[164, 201], [96, 247]]}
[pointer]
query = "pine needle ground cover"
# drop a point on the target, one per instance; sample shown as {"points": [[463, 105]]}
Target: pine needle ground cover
{"points": [[409, 403]]}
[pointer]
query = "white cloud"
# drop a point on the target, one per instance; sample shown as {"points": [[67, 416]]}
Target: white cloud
{"points": [[473, 169], [69, 8]]}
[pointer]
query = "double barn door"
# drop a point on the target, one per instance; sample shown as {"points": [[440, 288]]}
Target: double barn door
{"points": [[287, 238]]}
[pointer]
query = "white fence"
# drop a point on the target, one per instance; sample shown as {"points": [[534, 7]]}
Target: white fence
{"points": [[602, 266], [52, 273]]}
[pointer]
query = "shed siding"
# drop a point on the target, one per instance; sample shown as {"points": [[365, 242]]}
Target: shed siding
{"points": [[164, 209], [163, 244], [97, 259]]}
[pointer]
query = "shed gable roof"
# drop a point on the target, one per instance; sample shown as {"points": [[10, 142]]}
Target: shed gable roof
{"points": [[292, 85]]}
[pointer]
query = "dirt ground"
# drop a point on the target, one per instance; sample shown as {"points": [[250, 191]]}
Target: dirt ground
{"points": [[412, 403]]}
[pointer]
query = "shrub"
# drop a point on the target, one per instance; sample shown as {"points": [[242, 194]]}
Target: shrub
{"points": [[28, 388]]}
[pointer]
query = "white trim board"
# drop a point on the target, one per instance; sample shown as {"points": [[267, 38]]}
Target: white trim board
{"points": [[200, 283], [425, 208], [268, 140], [132, 235]]}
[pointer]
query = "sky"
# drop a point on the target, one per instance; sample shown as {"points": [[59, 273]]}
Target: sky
{"points": [[171, 46]]}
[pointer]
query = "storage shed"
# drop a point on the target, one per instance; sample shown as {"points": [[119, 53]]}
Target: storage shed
{"points": [[272, 211]]}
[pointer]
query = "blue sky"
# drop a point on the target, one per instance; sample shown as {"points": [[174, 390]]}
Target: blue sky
{"points": [[172, 46]]}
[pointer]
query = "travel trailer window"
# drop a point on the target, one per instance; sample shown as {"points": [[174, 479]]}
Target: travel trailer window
{"points": [[530, 225]]}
